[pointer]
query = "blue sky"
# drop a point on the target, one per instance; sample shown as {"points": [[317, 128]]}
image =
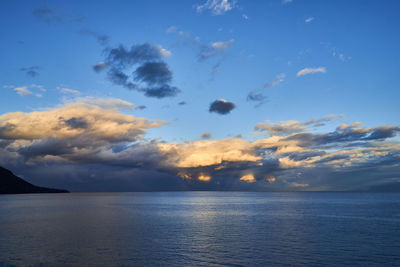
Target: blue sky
{"points": [[300, 60]]}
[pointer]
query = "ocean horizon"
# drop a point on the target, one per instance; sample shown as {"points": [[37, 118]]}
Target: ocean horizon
{"points": [[200, 228]]}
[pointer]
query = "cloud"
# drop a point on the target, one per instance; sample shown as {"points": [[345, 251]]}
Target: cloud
{"points": [[204, 153], [99, 119], [161, 91], [336, 52], [217, 7], [31, 71], [244, 16], [222, 45], [164, 52], [182, 103], [98, 140], [99, 66], [205, 135], [307, 71], [27, 90], [248, 178], [270, 179], [151, 76], [279, 79], [284, 2], [256, 96], [204, 178], [172, 29], [153, 73], [221, 106], [140, 107], [308, 20], [65, 90], [289, 127], [213, 49], [22, 91], [49, 15]]}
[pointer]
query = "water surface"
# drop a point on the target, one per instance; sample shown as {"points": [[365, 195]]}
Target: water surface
{"points": [[200, 228]]}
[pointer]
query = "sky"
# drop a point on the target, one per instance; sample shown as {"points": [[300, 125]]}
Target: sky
{"points": [[277, 95]]}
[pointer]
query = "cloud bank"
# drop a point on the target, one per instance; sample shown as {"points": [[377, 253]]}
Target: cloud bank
{"points": [[96, 144]]}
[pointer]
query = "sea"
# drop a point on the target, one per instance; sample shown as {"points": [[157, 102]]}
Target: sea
{"points": [[200, 229]]}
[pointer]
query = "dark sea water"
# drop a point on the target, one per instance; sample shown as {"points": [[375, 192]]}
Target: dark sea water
{"points": [[200, 228]]}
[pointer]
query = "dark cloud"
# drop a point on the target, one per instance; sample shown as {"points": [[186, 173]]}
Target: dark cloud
{"points": [[153, 73], [298, 156], [140, 107], [206, 135], [383, 132], [51, 16], [182, 103], [161, 91], [77, 123], [221, 106], [119, 78], [99, 67], [254, 96], [124, 58], [94, 147], [31, 71], [347, 135]]}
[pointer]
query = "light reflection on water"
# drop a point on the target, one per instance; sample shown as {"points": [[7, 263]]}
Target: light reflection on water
{"points": [[200, 228]]}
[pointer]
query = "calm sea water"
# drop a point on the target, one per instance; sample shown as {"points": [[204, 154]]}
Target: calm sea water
{"points": [[200, 228]]}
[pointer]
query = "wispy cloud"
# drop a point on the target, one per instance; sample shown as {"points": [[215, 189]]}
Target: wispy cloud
{"points": [[289, 127], [31, 71], [27, 90], [216, 7], [50, 15], [214, 49], [309, 19], [279, 79], [102, 39], [66, 90], [307, 71]]}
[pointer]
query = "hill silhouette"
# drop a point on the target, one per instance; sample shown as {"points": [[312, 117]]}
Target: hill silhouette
{"points": [[11, 184]]}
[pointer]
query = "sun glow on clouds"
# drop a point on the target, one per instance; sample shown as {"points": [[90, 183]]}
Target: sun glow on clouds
{"points": [[92, 130], [204, 178], [248, 178]]}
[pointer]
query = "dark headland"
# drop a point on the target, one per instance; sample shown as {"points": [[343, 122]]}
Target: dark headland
{"points": [[11, 184]]}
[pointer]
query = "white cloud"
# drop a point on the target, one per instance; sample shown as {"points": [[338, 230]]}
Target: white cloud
{"points": [[279, 79], [171, 29], [164, 52], [286, 1], [27, 89], [222, 45], [309, 19], [307, 71], [217, 7], [245, 16], [22, 91], [65, 90]]}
